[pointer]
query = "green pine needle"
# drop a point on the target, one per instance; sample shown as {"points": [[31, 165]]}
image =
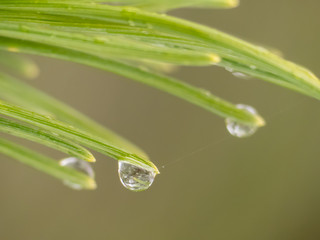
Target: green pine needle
{"points": [[131, 40], [45, 164]]}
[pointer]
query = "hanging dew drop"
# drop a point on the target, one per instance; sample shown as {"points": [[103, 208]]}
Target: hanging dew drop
{"points": [[134, 177], [238, 129], [79, 165]]}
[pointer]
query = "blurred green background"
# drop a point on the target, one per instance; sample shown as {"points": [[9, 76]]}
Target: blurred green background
{"points": [[212, 186]]}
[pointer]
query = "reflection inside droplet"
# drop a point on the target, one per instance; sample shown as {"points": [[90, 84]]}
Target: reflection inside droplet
{"points": [[238, 129], [134, 177], [79, 165]]}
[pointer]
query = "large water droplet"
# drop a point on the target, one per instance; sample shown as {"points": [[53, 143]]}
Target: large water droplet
{"points": [[238, 129], [134, 177], [79, 165]]}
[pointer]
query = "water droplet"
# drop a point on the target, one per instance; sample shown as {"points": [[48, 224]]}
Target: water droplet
{"points": [[238, 129], [49, 116], [240, 75], [131, 23], [206, 92], [100, 39], [79, 165], [134, 177], [229, 69], [237, 74], [253, 67]]}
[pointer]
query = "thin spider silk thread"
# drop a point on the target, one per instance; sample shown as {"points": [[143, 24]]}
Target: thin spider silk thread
{"points": [[228, 137], [200, 149]]}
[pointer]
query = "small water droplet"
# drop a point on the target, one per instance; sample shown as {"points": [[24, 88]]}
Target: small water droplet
{"points": [[240, 75], [131, 23], [134, 177], [253, 67], [237, 74], [229, 69], [240, 129], [79, 165], [149, 26], [100, 39], [206, 92], [49, 116]]}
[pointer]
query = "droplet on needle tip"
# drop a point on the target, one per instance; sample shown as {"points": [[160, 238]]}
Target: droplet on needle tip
{"points": [[135, 178], [79, 165], [239, 129]]}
